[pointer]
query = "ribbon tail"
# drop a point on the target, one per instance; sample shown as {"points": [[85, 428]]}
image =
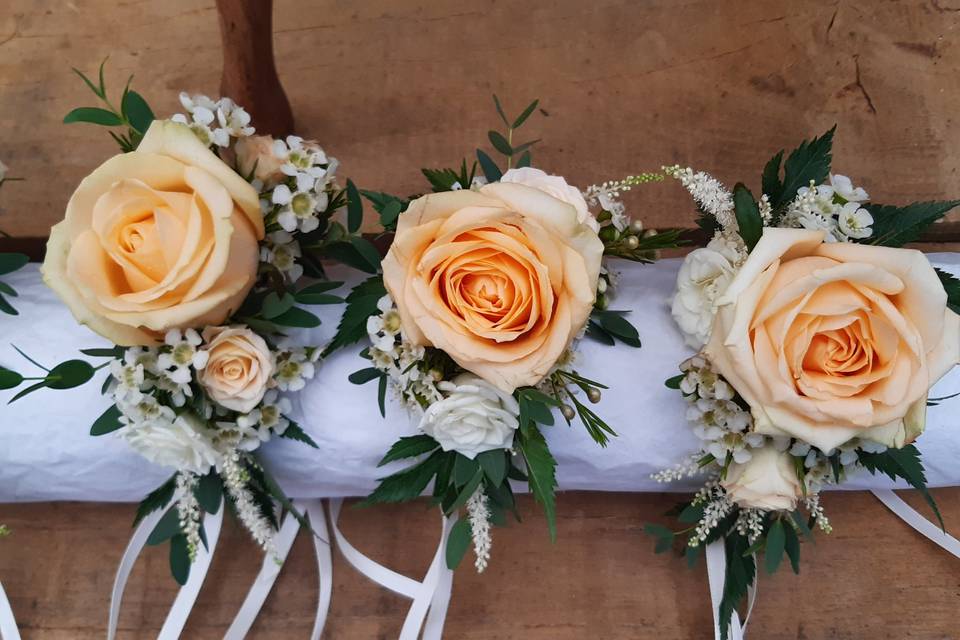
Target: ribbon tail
{"points": [[8, 624], [187, 596], [129, 558], [716, 575], [321, 548], [910, 515]]}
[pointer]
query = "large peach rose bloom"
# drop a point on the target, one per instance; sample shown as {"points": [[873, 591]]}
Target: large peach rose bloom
{"points": [[502, 279], [827, 342], [163, 237]]}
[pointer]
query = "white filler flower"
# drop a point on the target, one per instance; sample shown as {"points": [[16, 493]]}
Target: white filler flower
{"points": [[474, 417]]}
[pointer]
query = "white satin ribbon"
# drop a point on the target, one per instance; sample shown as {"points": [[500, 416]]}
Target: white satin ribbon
{"points": [[716, 557], [8, 624], [431, 596], [183, 604], [272, 564], [909, 515]]}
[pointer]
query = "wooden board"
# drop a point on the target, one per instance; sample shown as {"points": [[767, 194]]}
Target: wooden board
{"points": [[874, 577], [389, 86]]}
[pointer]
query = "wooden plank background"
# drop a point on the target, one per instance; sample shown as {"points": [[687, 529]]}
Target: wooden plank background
{"points": [[388, 86]]}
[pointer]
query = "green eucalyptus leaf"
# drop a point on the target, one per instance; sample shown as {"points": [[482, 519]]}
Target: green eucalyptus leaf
{"points": [[9, 379], [209, 492], [179, 559], [93, 115], [776, 543], [490, 169], [70, 374], [354, 208], [749, 221], [108, 422], [458, 542], [297, 317], [526, 114], [10, 262], [500, 143], [167, 527], [137, 111]]}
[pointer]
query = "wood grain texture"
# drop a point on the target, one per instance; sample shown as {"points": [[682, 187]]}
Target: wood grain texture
{"points": [[389, 86], [874, 577]]}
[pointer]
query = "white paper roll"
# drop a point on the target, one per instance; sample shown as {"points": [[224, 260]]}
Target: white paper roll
{"points": [[46, 452]]}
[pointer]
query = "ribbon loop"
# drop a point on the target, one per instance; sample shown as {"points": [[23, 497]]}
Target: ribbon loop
{"points": [[8, 624], [431, 596]]}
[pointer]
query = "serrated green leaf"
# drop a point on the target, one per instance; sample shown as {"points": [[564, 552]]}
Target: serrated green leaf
{"points": [[361, 304], [70, 374], [541, 473], [526, 114], [354, 208], [500, 143], [180, 559], [902, 463], [156, 499], [741, 572], [490, 169], [9, 379], [776, 542], [896, 226], [409, 447], [749, 221], [407, 484], [771, 183], [93, 115], [810, 161], [458, 542], [295, 432], [10, 262], [108, 422], [137, 111], [952, 286]]}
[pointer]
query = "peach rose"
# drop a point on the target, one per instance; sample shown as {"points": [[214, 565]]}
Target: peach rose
{"points": [[163, 237], [238, 369], [827, 342], [502, 279], [256, 154], [557, 187]]}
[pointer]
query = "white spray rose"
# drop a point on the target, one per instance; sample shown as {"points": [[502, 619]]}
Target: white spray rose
{"points": [[704, 275], [181, 443], [768, 480], [474, 417]]}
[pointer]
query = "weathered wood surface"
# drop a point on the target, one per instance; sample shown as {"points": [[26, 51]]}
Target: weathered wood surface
{"points": [[874, 577], [388, 86]]}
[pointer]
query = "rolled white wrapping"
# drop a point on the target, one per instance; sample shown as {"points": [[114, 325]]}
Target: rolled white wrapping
{"points": [[46, 452]]}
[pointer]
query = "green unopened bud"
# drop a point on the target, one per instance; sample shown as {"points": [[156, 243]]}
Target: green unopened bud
{"points": [[632, 242], [636, 226], [608, 233], [593, 394], [649, 233], [568, 412]]}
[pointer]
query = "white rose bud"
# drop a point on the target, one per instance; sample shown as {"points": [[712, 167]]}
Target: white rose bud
{"points": [[768, 480], [474, 417]]}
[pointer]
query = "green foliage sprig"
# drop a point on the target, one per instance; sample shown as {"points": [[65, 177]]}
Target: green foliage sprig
{"points": [[134, 114]]}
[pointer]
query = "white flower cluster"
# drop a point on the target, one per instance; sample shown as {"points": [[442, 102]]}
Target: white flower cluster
{"points": [[708, 192], [151, 387], [235, 480], [716, 506], [188, 511], [478, 513], [302, 193], [720, 423], [400, 360], [215, 122], [282, 250], [819, 470], [607, 197], [834, 208]]}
